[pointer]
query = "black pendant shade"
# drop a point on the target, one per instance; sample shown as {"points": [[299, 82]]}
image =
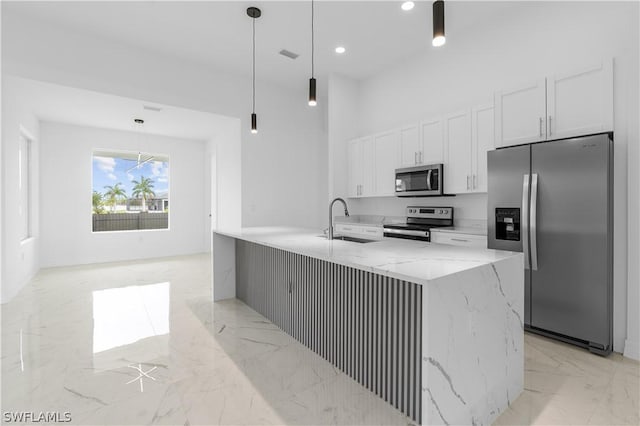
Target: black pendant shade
{"points": [[438, 23], [312, 92], [254, 13], [254, 123]]}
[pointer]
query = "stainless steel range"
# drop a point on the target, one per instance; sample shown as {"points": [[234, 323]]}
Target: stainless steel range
{"points": [[420, 220]]}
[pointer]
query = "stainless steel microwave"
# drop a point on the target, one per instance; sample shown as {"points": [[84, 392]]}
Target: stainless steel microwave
{"points": [[419, 181]]}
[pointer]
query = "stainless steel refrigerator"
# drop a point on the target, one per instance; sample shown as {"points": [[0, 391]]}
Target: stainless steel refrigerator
{"points": [[553, 201]]}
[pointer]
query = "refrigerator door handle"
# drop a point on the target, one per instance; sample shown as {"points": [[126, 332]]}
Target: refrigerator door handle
{"points": [[532, 226], [525, 220]]}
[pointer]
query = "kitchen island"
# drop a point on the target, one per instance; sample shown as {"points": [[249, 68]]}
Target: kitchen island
{"points": [[434, 330]]}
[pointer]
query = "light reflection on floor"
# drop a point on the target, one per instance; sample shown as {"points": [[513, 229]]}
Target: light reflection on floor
{"points": [[125, 315]]}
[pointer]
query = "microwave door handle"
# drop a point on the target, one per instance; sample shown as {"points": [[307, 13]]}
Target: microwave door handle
{"points": [[429, 180]]}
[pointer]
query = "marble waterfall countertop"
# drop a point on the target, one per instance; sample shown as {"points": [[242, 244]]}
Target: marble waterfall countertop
{"points": [[408, 260]]}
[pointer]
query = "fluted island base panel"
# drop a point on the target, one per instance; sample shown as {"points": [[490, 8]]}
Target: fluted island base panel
{"points": [[365, 324], [445, 351]]}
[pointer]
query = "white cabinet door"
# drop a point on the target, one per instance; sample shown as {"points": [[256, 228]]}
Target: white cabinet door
{"points": [[386, 151], [457, 142], [580, 102], [409, 146], [482, 141], [354, 167], [431, 141], [368, 160], [520, 114]]}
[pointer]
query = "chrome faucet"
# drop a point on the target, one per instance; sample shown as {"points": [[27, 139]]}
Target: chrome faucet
{"points": [[346, 213]]}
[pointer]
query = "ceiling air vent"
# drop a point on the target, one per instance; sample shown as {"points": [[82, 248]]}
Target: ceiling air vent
{"points": [[151, 108], [290, 55]]}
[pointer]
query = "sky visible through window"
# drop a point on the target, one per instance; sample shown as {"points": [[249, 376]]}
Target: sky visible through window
{"points": [[110, 170]]}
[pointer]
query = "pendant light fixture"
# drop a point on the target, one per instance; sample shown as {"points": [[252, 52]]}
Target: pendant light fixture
{"points": [[438, 23], [254, 13], [312, 81]]}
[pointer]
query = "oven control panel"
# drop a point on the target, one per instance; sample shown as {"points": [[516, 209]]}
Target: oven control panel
{"points": [[430, 212]]}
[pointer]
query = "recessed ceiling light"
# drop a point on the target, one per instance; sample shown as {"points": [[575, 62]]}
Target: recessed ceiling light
{"points": [[407, 5], [340, 49]]}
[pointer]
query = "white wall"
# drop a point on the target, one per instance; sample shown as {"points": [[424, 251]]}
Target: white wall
{"points": [[282, 179], [224, 190], [20, 259], [632, 344], [544, 38], [65, 197]]}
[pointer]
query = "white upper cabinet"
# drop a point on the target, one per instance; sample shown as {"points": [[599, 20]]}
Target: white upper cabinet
{"points": [[354, 161], [432, 141], [581, 102], [520, 114], [386, 160], [558, 106], [409, 146], [468, 135], [482, 141], [421, 143], [361, 162], [367, 187], [457, 142]]}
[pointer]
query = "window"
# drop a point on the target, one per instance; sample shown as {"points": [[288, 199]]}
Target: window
{"points": [[130, 191], [24, 183]]}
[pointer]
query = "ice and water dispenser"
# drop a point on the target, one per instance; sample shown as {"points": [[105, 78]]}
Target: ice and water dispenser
{"points": [[508, 224]]}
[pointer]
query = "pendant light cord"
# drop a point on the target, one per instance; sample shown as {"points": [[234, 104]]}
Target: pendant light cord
{"points": [[312, 40], [254, 65]]}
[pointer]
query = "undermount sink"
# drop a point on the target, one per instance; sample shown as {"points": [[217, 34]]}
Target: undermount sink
{"points": [[352, 239]]}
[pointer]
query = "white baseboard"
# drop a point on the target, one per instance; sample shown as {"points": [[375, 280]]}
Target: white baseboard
{"points": [[632, 349]]}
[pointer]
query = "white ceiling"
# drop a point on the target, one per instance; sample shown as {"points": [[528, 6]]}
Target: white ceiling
{"points": [[62, 104], [217, 34]]}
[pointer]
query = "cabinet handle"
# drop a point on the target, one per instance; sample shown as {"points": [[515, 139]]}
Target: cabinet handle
{"points": [[420, 157], [289, 287], [467, 181], [549, 124], [415, 157], [475, 184], [540, 126], [460, 240]]}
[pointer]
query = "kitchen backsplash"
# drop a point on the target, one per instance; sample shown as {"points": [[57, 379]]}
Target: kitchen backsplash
{"points": [[466, 206]]}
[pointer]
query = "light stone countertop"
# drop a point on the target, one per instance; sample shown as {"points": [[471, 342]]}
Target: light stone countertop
{"points": [[415, 261]]}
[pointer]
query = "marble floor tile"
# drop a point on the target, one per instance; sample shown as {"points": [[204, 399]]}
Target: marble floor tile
{"points": [[141, 343]]}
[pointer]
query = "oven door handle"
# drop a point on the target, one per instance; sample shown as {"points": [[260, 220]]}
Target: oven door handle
{"points": [[406, 232]]}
